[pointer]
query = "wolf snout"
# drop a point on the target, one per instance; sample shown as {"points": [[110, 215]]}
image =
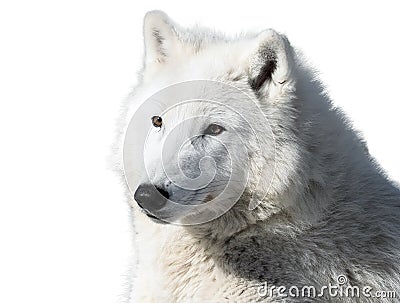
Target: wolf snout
{"points": [[150, 197]]}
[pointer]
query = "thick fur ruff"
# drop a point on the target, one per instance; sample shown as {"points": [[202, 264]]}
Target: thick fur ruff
{"points": [[330, 209]]}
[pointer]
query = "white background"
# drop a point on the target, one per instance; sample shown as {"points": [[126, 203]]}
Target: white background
{"points": [[65, 66]]}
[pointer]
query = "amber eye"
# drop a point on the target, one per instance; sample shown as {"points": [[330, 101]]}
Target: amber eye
{"points": [[157, 121], [214, 130]]}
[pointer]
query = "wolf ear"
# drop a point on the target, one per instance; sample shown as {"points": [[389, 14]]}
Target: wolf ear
{"points": [[160, 37], [270, 63]]}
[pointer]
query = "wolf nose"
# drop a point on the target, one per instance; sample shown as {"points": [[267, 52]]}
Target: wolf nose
{"points": [[150, 197]]}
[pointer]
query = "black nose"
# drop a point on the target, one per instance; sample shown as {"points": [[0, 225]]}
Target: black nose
{"points": [[150, 197]]}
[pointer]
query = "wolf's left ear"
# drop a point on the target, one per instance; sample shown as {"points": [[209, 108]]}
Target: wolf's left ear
{"points": [[270, 63], [160, 37]]}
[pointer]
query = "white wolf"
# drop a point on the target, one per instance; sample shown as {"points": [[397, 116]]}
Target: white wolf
{"points": [[325, 213]]}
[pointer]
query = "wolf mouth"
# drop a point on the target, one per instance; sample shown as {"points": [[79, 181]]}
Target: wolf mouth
{"points": [[154, 218]]}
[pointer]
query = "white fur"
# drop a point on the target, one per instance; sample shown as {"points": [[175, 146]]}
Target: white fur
{"points": [[330, 209]]}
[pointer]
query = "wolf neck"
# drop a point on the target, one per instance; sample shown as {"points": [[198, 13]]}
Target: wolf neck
{"points": [[326, 156]]}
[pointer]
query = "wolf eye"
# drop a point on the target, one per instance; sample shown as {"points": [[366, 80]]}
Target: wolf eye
{"points": [[157, 121], [214, 130]]}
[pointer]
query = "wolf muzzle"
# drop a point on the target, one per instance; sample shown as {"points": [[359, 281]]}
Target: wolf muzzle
{"points": [[151, 198]]}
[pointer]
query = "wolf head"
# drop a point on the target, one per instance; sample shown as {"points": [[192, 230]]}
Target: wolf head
{"points": [[210, 122]]}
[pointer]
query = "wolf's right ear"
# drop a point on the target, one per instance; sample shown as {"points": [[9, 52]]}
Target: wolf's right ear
{"points": [[160, 37]]}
